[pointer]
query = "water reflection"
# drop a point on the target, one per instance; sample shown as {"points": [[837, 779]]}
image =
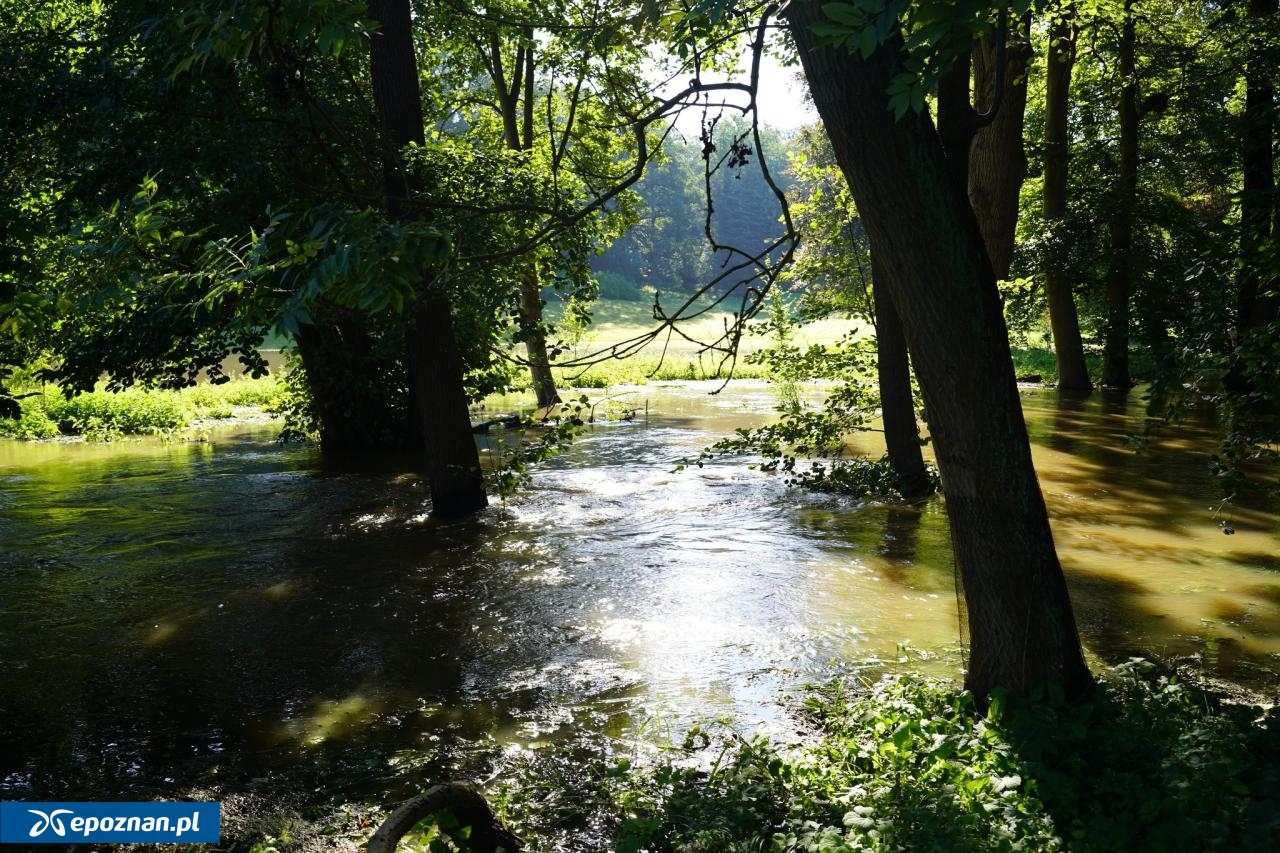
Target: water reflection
{"points": [[226, 610]]}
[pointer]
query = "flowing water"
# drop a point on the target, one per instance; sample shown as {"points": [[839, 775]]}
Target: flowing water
{"points": [[176, 614]]}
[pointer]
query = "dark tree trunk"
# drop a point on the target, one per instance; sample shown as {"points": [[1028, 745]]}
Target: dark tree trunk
{"points": [[1022, 632], [1259, 203], [1115, 354], [435, 370], [1073, 374], [435, 365], [355, 411], [897, 407], [958, 122], [997, 158]]}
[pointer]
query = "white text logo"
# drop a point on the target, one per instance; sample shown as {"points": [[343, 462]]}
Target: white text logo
{"points": [[49, 820]]}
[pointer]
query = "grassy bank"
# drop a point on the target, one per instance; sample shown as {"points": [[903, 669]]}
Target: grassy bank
{"points": [[102, 415], [669, 357]]}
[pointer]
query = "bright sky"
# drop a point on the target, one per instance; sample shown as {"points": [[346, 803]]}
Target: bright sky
{"points": [[783, 98]]}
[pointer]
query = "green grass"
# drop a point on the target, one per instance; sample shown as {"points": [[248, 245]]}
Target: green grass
{"points": [[103, 415], [671, 357]]}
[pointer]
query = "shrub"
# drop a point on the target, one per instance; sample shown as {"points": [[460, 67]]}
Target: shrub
{"points": [[101, 415], [1147, 763], [619, 287]]}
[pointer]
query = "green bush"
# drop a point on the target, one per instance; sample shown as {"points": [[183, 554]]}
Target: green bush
{"points": [[102, 415], [33, 425], [619, 287]]}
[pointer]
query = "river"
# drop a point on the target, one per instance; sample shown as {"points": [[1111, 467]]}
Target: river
{"points": [[226, 612]]}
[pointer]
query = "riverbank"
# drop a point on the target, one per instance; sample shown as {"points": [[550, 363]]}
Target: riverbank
{"points": [[104, 415], [905, 764], [1149, 763]]}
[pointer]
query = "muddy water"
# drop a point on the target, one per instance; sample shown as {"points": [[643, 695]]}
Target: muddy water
{"points": [[174, 615]]}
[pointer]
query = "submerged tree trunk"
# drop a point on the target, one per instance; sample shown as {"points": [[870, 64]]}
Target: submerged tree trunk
{"points": [[1115, 355], [435, 365], [354, 409], [997, 157], [897, 407], [1073, 374], [1022, 631]]}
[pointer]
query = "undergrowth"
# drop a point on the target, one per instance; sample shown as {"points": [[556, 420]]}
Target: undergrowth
{"points": [[1148, 763], [103, 415]]}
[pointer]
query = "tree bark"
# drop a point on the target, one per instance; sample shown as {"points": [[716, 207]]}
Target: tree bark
{"points": [[535, 342], [435, 365], [1115, 355], [897, 406], [997, 157], [1259, 203], [1073, 374], [1022, 631]]}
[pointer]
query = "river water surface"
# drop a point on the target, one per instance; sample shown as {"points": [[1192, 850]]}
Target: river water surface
{"points": [[176, 614]]}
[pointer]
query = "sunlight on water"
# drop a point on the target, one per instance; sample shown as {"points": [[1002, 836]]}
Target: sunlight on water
{"points": [[328, 719]]}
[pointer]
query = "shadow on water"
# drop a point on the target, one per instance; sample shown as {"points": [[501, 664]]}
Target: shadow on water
{"points": [[178, 615]]}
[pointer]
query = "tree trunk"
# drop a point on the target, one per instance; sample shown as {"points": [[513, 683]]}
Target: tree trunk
{"points": [[1068, 347], [897, 407], [1022, 632], [353, 413], [957, 120], [515, 103], [997, 158], [1115, 355], [435, 365], [1259, 204], [535, 342], [435, 369]]}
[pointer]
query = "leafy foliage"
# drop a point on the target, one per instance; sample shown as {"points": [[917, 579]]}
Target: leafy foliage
{"points": [[105, 415], [1147, 763]]}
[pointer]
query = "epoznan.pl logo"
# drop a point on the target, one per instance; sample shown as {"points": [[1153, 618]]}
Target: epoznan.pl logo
{"points": [[155, 823], [48, 820]]}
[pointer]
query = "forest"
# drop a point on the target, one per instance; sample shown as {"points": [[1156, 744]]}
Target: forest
{"points": [[448, 425]]}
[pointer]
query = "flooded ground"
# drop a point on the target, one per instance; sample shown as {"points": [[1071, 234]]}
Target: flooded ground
{"points": [[223, 612]]}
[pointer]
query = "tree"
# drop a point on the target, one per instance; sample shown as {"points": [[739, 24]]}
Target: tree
{"points": [[832, 265], [530, 82], [435, 365], [1115, 358], [997, 159], [1022, 630], [1068, 347], [1257, 280]]}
